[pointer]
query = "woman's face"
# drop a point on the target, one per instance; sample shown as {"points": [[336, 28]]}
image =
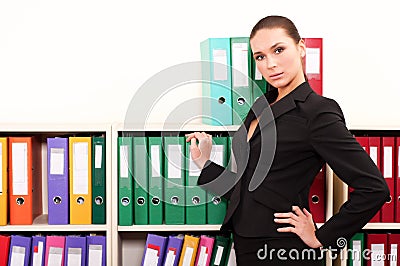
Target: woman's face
{"points": [[278, 58]]}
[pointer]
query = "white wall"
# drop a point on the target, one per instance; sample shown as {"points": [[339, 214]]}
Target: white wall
{"points": [[82, 60]]}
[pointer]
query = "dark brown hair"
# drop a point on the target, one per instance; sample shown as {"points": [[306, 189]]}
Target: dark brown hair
{"points": [[272, 22]]}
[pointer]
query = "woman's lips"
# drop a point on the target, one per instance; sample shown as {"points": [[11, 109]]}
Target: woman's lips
{"points": [[276, 76]]}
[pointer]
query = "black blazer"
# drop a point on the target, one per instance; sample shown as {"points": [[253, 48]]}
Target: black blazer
{"points": [[303, 131]]}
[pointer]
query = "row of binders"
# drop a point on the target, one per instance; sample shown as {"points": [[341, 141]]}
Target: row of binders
{"points": [[76, 177], [373, 249], [17, 250], [232, 82], [188, 250], [158, 182], [384, 151]]}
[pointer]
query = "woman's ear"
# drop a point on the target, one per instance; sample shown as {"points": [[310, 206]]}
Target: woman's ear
{"points": [[302, 48]]}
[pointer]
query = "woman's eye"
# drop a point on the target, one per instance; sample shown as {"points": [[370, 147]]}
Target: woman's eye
{"points": [[278, 50], [259, 57]]}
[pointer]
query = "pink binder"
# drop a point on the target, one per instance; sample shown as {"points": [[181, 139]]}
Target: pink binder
{"points": [[204, 251], [55, 250]]}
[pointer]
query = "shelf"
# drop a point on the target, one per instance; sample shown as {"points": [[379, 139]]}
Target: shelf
{"points": [[163, 227], [173, 127], [382, 226]]}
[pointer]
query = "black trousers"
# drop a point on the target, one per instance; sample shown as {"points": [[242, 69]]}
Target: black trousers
{"points": [[275, 251]]}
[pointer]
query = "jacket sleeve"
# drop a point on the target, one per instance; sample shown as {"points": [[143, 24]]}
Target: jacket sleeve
{"points": [[330, 138], [217, 179]]}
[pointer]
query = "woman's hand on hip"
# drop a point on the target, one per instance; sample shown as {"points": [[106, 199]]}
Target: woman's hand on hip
{"points": [[200, 152], [302, 225]]}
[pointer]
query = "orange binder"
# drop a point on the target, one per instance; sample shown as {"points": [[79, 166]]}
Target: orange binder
{"points": [[3, 182], [388, 162], [25, 176], [80, 180]]}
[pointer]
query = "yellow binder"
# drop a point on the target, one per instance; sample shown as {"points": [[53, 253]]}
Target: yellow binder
{"points": [[80, 180], [189, 250], [3, 182]]}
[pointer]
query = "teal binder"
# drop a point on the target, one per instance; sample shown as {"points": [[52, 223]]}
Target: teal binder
{"points": [[220, 250], [195, 196], [156, 173], [216, 81], [140, 180], [98, 180], [242, 98], [216, 205], [174, 181], [125, 193]]}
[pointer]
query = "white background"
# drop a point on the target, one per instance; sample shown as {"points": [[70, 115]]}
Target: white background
{"points": [[81, 61]]}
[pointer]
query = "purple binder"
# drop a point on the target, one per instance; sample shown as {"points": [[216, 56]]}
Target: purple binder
{"points": [[75, 249], [154, 250], [173, 251], [38, 249], [96, 250], [57, 180], [20, 249]]}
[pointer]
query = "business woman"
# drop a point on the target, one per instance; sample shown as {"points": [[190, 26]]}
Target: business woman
{"points": [[271, 222]]}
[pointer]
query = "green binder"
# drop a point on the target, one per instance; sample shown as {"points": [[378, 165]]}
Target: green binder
{"points": [[216, 205], [260, 85], [125, 193], [242, 98], [356, 249], [195, 196], [220, 250], [140, 180], [174, 181], [156, 172], [98, 180]]}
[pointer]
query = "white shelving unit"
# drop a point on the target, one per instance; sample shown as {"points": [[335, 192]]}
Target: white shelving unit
{"points": [[40, 224], [129, 241]]}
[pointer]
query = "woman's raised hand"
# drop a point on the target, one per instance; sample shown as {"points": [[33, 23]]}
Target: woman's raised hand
{"points": [[200, 152]]}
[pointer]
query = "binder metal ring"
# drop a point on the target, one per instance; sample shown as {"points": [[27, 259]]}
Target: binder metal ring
{"points": [[98, 200], [241, 100], [125, 201], [80, 200], [196, 200], [155, 201], [57, 200], [20, 201], [314, 199], [175, 200], [216, 200], [141, 201]]}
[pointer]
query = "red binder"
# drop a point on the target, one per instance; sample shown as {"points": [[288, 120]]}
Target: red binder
{"points": [[313, 63], [392, 250], [25, 177], [316, 199], [387, 168], [377, 245], [4, 248], [375, 154], [397, 180]]}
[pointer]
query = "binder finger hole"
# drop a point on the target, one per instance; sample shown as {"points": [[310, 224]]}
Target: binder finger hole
{"points": [[315, 199], [80, 200], [141, 201], [175, 200], [125, 201], [20, 201], [390, 199], [155, 200], [57, 200], [195, 200], [99, 200], [221, 100], [216, 200], [241, 100]]}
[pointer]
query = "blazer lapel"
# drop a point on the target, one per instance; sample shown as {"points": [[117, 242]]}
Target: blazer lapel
{"points": [[282, 106]]}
